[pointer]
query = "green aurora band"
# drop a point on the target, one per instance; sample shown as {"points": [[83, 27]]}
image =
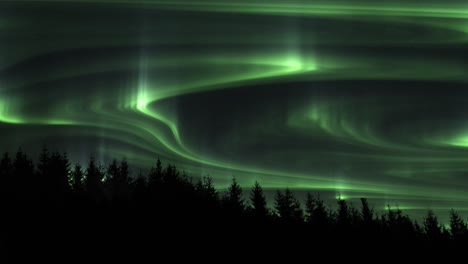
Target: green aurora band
{"points": [[348, 98]]}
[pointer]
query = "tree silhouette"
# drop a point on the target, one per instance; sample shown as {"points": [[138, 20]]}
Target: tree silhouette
{"points": [[206, 189], [288, 207], [77, 176], [258, 202], [367, 213], [113, 171], [43, 164], [343, 214], [72, 203], [155, 181], [170, 175], [398, 226], [458, 227], [123, 180], [58, 176], [118, 180], [316, 212], [6, 166], [155, 175], [23, 178], [6, 181], [232, 199], [432, 227], [49, 169], [93, 180], [112, 179]]}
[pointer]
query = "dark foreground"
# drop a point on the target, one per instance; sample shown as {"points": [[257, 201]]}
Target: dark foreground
{"points": [[52, 211]]}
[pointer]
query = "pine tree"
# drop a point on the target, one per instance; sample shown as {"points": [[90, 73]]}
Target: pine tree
{"points": [[6, 178], [258, 201], [432, 227], [343, 214], [170, 175], [288, 207], [113, 173], [23, 178], [367, 214], [43, 164], [155, 175], [316, 212], [233, 200], [59, 172], [206, 189], [124, 178], [77, 178], [93, 180], [118, 180], [458, 227]]}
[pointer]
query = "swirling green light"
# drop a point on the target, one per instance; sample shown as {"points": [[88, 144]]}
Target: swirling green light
{"points": [[357, 99]]}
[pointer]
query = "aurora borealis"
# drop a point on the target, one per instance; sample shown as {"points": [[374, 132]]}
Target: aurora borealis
{"points": [[351, 98]]}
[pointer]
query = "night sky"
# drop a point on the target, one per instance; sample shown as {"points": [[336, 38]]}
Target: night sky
{"points": [[344, 98]]}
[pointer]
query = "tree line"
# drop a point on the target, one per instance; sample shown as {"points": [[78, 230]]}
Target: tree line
{"points": [[68, 199]]}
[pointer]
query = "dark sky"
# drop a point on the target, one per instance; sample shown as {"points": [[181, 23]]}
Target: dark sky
{"points": [[347, 98]]}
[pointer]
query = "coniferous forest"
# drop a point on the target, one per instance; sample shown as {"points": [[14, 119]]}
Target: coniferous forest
{"points": [[51, 206]]}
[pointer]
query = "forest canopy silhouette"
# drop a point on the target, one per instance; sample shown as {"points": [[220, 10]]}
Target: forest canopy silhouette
{"points": [[52, 197]]}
